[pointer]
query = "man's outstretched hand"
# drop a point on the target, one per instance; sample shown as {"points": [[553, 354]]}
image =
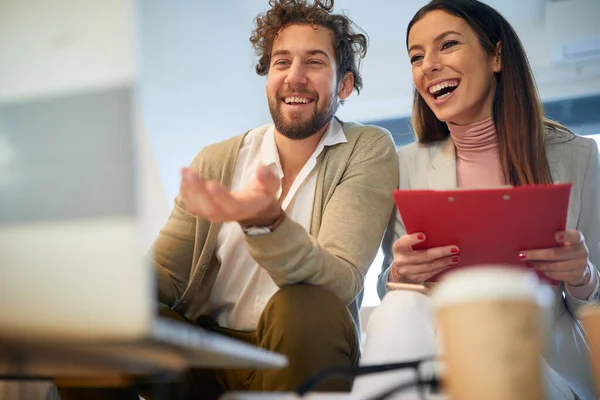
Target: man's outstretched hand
{"points": [[256, 204]]}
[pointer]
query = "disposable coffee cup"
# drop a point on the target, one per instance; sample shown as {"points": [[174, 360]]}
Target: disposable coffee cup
{"points": [[493, 328]]}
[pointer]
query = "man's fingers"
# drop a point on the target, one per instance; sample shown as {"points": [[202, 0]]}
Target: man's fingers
{"points": [[224, 202], [188, 175], [268, 179], [193, 190]]}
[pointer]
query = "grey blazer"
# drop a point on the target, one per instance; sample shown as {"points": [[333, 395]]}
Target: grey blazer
{"points": [[572, 159]]}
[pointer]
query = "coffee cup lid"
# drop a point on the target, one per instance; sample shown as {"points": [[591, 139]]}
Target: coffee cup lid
{"points": [[491, 282]]}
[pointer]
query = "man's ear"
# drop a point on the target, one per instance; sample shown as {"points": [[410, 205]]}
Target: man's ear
{"points": [[497, 67], [346, 86]]}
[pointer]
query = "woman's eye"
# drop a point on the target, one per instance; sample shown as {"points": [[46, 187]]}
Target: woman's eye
{"points": [[449, 44], [414, 59]]}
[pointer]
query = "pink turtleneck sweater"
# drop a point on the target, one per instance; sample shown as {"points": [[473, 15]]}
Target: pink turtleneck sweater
{"points": [[478, 165], [477, 161]]}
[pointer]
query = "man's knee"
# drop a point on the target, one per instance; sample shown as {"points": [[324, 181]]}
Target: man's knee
{"points": [[307, 316], [314, 329], [305, 307]]}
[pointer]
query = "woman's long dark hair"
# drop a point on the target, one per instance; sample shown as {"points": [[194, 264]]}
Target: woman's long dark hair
{"points": [[517, 109]]}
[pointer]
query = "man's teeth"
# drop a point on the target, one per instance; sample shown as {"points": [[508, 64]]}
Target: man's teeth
{"points": [[290, 100], [436, 88]]}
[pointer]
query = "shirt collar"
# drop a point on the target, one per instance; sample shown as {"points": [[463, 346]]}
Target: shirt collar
{"points": [[334, 135], [268, 150], [270, 156]]}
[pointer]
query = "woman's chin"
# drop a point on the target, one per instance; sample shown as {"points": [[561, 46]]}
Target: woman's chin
{"points": [[444, 113], [456, 118], [443, 116]]}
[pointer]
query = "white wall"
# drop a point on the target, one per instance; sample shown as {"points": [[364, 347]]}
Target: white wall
{"points": [[387, 71], [62, 47], [198, 85]]}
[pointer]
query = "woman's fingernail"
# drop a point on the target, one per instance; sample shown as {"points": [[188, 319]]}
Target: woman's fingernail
{"points": [[455, 259], [420, 236], [454, 250], [560, 237], [522, 256], [529, 264]]}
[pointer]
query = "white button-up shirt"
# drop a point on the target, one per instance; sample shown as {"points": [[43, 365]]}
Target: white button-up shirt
{"points": [[242, 289]]}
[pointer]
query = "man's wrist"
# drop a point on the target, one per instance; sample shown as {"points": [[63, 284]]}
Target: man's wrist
{"points": [[269, 218], [252, 228]]}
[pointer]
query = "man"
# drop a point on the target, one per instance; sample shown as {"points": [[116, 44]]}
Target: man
{"points": [[273, 231]]}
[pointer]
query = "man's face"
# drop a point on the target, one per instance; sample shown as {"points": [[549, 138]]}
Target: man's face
{"points": [[302, 85]]}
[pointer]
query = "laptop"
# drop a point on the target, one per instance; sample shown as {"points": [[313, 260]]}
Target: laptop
{"points": [[72, 259]]}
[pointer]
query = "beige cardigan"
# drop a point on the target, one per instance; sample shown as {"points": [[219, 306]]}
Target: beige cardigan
{"points": [[352, 205]]}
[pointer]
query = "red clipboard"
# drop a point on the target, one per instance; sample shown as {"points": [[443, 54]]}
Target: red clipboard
{"points": [[490, 226]]}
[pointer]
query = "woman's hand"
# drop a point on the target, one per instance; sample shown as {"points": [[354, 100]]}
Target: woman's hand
{"points": [[419, 265], [568, 263]]}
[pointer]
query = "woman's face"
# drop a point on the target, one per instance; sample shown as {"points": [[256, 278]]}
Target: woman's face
{"points": [[451, 70]]}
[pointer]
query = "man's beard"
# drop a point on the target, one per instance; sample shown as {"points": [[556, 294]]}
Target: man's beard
{"points": [[298, 129]]}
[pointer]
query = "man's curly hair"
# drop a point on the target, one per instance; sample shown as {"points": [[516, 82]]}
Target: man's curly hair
{"points": [[350, 47]]}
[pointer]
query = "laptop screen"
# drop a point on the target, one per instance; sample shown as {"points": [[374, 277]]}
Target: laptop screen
{"points": [[67, 157]]}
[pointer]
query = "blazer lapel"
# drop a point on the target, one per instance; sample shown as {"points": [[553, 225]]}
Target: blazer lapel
{"points": [[442, 170]]}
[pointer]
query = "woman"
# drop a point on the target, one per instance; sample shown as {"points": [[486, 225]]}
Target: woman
{"points": [[479, 123]]}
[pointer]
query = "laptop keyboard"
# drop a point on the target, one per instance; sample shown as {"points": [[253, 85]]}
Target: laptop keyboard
{"points": [[194, 338], [180, 333]]}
